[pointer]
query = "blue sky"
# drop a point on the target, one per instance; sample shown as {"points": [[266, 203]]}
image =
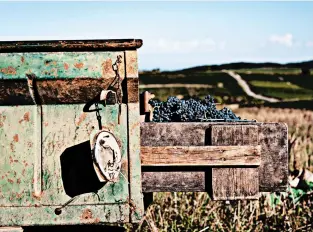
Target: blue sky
{"points": [[175, 34]]}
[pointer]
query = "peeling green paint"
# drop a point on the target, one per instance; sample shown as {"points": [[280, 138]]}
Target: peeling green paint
{"points": [[16, 164], [46, 179], [59, 65], [57, 139], [34, 138], [72, 215]]}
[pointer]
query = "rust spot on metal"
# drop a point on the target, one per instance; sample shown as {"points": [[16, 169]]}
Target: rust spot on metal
{"points": [[19, 195], [87, 214], [79, 65], [66, 66], [12, 147], [107, 70], [8, 71], [124, 165], [18, 181], [38, 197], [2, 119], [50, 62], [134, 126], [26, 116], [97, 220], [82, 117], [15, 138], [46, 124], [11, 181], [54, 72], [22, 59], [130, 67], [131, 70]]}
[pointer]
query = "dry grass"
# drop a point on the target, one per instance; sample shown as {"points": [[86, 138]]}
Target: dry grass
{"points": [[300, 131], [196, 212]]}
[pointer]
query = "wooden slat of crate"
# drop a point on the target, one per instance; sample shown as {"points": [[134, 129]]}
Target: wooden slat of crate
{"points": [[235, 183], [201, 156], [273, 137], [273, 171], [173, 181]]}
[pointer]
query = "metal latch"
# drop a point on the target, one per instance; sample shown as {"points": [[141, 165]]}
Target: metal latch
{"points": [[106, 155]]}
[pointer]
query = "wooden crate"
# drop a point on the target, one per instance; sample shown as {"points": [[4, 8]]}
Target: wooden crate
{"points": [[228, 160]]}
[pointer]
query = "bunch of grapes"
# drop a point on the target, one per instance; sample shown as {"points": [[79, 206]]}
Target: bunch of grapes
{"points": [[191, 110]]}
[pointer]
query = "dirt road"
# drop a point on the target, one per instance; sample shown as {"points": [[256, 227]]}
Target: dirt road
{"points": [[246, 87]]}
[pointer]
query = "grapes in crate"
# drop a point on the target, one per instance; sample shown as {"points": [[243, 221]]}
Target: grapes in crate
{"points": [[191, 110]]}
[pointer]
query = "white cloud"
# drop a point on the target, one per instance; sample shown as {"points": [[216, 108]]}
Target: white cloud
{"points": [[166, 46], [286, 40], [309, 44]]}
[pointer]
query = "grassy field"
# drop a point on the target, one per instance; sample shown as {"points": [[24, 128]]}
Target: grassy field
{"points": [[221, 85], [270, 71], [284, 84], [281, 90], [197, 212], [283, 87]]}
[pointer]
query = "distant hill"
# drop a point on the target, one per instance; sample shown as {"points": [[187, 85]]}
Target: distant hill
{"points": [[248, 65]]}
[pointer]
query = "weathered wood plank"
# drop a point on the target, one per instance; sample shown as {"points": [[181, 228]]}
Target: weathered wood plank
{"points": [[174, 134], [199, 134], [201, 156], [69, 45], [173, 181], [273, 137], [235, 183]]}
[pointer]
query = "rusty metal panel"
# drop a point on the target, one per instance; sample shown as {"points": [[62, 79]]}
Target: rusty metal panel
{"points": [[18, 148], [60, 65], [47, 159], [66, 155], [136, 197], [71, 215], [131, 64]]}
